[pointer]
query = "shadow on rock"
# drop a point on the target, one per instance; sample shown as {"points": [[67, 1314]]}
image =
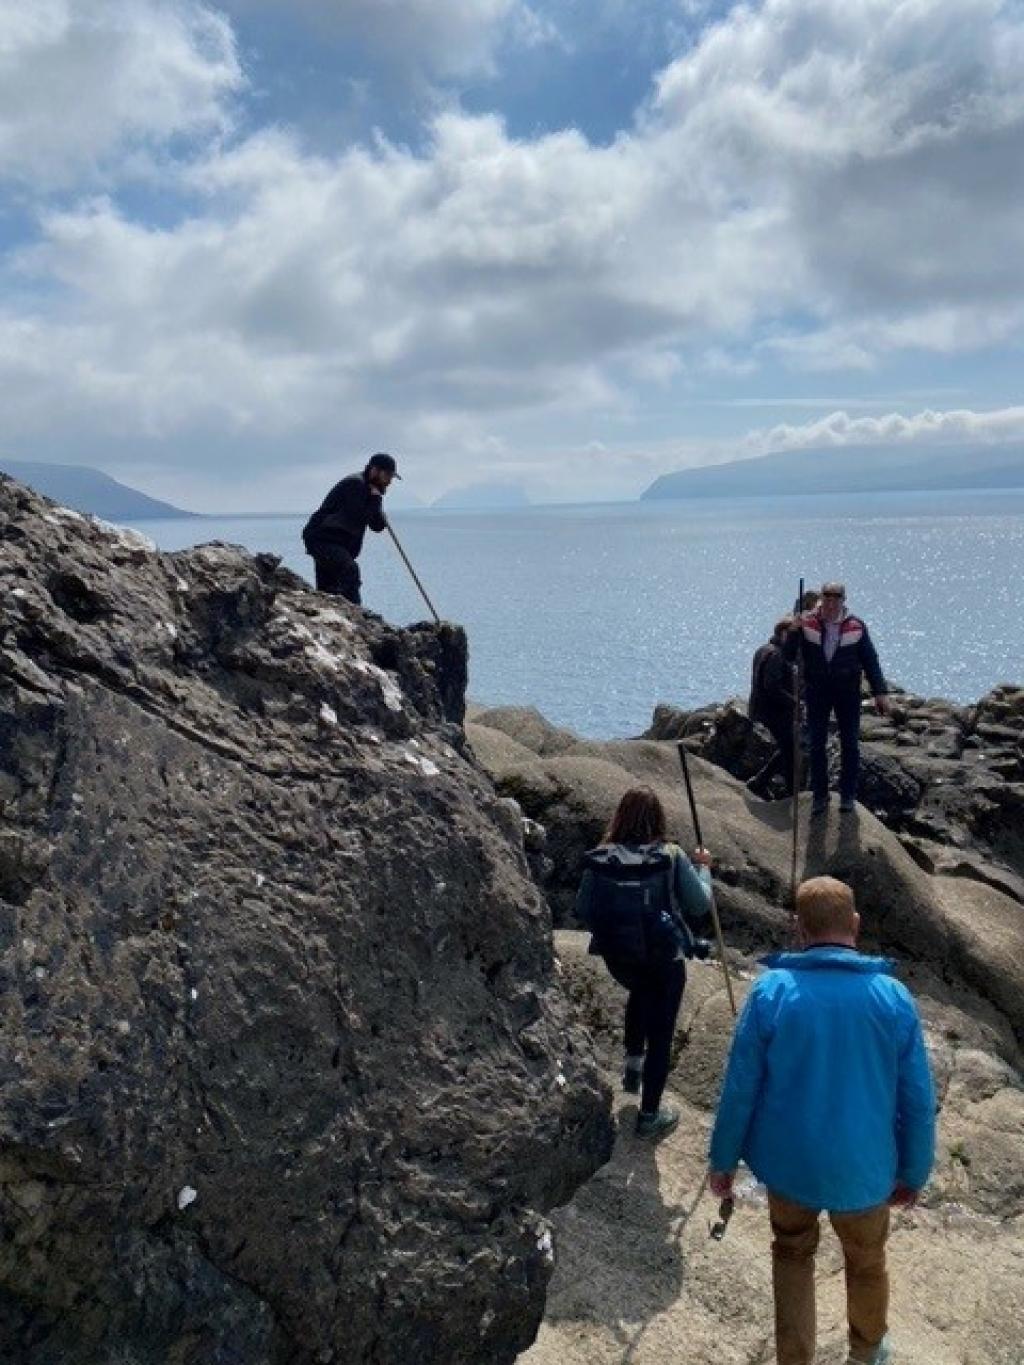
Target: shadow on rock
{"points": [[627, 1264]]}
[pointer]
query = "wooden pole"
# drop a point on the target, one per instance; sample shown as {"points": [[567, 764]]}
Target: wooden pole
{"points": [[797, 684], [412, 571]]}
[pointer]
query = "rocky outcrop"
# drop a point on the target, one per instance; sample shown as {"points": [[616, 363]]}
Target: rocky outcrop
{"points": [[948, 779], [285, 1076], [968, 936], [931, 857]]}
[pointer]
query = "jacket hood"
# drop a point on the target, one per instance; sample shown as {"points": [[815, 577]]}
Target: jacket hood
{"points": [[817, 959]]}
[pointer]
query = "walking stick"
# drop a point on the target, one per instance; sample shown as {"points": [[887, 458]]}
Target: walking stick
{"points": [[714, 908], [415, 578], [797, 680]]}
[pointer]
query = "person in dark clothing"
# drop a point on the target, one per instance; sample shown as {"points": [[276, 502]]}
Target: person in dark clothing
{"points": [[680, 896], [771, 705], [334, 533], [809, 601], [837, 651]]}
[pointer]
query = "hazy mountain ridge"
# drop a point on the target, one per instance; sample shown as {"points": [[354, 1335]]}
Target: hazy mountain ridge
{"points": [[484, 495], [90, 491], [849, 469]]}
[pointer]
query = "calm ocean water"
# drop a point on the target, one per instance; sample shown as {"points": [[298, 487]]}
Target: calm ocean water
{"points": [[595, 613]]}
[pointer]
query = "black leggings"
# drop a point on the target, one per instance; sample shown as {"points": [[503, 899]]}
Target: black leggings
{"points": [[655, 994]]}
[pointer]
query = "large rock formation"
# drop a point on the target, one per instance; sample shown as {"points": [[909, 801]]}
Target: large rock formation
{"points": [[285, 1075]]}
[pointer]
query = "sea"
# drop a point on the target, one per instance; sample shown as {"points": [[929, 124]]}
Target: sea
{"points": [[596, 612]]}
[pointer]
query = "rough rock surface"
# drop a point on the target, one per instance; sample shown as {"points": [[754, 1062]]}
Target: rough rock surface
{"points": [[285, 1076], [942, 776], [967, 934], [639, 1282]]}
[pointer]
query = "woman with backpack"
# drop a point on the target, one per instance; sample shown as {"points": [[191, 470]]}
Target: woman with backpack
{"points": [[641, 898]]}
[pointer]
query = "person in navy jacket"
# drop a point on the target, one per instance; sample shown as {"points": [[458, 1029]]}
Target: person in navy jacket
{"points": [[836, 650], [828, 1097]]}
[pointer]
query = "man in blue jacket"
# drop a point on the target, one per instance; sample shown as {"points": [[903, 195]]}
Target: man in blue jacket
{"points": [[836, 650], [828, 1098]]}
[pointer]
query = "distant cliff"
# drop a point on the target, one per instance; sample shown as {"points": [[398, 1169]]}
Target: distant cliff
{"points": [[849, 469], [90, 491]]}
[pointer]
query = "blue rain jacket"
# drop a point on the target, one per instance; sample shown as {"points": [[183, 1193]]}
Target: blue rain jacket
{"points": [[828, 1094]]}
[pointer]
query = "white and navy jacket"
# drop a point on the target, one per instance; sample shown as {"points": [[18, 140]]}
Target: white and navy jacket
{"points": [[854, 655]]}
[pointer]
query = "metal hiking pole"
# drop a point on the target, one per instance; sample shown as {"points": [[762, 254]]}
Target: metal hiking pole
{"points": [[680, 746], [412, 571], [797, 683], [726, 1208]]}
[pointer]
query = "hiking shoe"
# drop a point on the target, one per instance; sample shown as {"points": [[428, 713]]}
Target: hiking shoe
{"points": [[881, 1355], [847, 804], [631, 1077], [656, 1125]]}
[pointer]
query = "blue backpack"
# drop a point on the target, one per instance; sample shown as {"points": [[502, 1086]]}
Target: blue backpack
{"points": [[631, 910]]}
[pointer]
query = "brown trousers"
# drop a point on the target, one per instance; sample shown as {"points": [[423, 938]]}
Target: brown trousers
{"points": [[795, 1240]]}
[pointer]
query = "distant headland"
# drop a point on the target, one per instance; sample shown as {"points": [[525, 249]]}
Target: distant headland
{"points": [[849, 469], [90, 491]]}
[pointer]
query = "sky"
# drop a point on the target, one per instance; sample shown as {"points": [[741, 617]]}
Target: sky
{"points": [[568, 244]]}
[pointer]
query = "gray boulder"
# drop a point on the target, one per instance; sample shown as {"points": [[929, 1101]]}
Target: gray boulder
{"points": [[286, 1075], [526, 726]]}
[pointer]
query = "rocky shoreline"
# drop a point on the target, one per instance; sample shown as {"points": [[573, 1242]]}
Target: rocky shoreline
{"points": [[934, 860], [293, 1068], [947, 779]]}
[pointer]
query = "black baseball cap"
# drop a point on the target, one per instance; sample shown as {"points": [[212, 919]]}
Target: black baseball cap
{"points": [[385, 462]]}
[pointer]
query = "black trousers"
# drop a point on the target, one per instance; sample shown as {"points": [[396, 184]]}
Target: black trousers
{"points": [[652, 1007], [844, 702], [337, 573], [781, 726]]}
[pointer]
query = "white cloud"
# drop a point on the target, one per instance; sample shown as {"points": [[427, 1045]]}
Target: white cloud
{"points": [[960, 426], [840, 161], [881, 131], [81, 84]]}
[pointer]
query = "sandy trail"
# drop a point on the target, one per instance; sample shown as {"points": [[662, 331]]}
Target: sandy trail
{"points": [[638, 1280]]}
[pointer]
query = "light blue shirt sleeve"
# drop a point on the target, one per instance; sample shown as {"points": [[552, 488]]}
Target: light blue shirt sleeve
{"points": [[692, 888], [741, 1088]]}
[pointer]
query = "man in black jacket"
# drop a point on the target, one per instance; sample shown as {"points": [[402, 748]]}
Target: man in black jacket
{"points": [[334, 533], [771, 705], [837, 650]]}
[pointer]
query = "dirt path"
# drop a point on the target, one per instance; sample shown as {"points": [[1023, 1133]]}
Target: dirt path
{"points": [[638, 1281]]}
